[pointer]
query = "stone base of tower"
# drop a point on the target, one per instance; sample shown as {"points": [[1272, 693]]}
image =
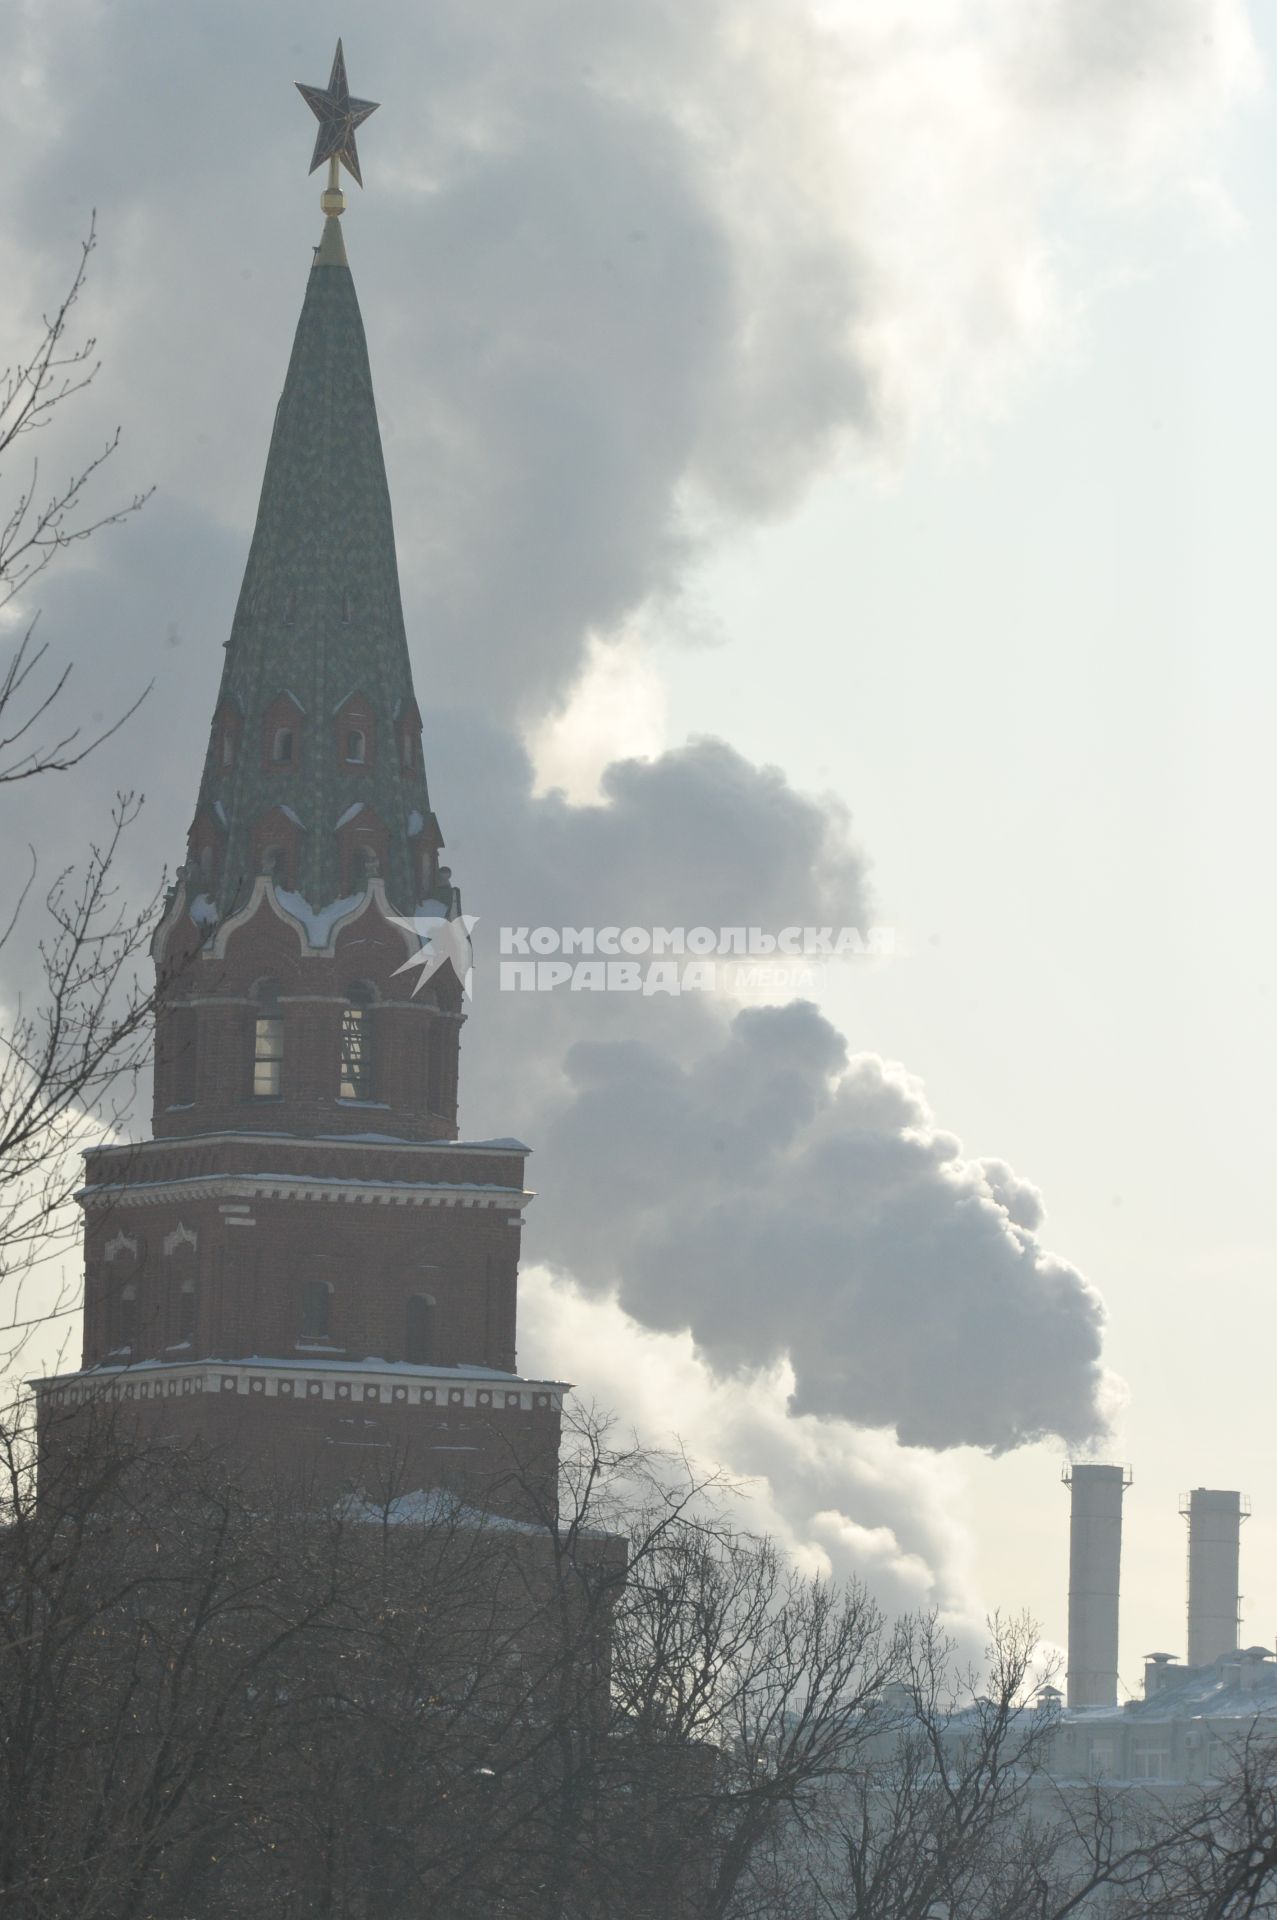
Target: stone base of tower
{"points": [[241, 1244], [333, 1428]]}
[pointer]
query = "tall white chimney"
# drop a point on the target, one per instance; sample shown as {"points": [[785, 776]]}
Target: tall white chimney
{"points": [[1214, 1601], [1095, 1559]]}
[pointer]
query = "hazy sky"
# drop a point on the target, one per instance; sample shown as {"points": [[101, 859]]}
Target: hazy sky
{"points": [[859, 415]]}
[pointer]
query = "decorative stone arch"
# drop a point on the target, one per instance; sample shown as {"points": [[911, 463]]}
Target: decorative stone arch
{"points": [[320, 934], [120, 1242], [181, 1236]]}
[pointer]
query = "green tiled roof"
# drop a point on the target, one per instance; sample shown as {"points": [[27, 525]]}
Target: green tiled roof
{"points": [[319, 619]]}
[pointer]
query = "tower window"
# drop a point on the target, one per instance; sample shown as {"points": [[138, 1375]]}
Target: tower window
{"points": [[282, 747], [228, 746], [186, 1309], [434, 1068], [268, 1044], [126, 1319], [407, 749], [356, 746], [316, 1314], [181, 1038], [419, 1330], [356, 1045]]}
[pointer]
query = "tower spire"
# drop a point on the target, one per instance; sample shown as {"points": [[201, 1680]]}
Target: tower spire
{"points": [[314, 775]]}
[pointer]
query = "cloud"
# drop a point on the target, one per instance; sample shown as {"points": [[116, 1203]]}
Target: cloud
{"points": [[633, 277], [738, 1173], [842, 1500], [784, 1202]]}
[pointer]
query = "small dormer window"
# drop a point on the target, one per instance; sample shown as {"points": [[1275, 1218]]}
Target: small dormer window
{"points": [[275, 864], [407, 749], [282, 747], [204, 860], [356, 746], [228, 746]]}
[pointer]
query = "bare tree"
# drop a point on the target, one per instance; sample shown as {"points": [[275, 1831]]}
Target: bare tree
{"points": [[953, 1813], [1213, 1849], [223, 1694], [76, 1038]]}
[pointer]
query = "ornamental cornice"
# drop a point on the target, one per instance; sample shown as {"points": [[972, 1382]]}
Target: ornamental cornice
{"points": [[300, 1382], [300, 1186]]}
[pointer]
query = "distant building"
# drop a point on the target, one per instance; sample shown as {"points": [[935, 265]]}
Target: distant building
{"points": [[1187, 1728]]}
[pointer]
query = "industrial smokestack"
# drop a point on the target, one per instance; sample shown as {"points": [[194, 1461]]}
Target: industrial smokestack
{"points": [[1214, 1600], [1095, 1559]]}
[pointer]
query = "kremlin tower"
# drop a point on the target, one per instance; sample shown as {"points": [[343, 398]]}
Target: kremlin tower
{"points": [[304, 1264]]}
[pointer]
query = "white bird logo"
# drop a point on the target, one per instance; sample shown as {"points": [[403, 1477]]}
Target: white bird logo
{"points": [[441, 941]]}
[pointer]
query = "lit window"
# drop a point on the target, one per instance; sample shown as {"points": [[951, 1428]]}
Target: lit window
{"points": [[282, 748], [316, 1317], [419, 1332], [356, 1055], [356, 746], [268, 1044]]}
